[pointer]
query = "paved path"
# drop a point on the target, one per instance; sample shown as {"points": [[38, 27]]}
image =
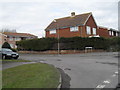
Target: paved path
{"points": [[92, 70], [10, 64]]}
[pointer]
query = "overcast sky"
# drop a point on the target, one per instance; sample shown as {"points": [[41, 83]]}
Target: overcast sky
{"points": [[33, 16]]}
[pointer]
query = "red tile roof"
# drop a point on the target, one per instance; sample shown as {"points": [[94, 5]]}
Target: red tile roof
{"points": [[70, 21], [19, 34]]}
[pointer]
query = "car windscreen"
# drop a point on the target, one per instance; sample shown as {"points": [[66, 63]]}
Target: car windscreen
{"points": [[6, 50]]}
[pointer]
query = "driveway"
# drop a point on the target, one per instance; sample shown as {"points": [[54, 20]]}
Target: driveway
{"points": [[91, 70]]}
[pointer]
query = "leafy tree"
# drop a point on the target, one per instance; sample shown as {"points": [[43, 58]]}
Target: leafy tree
{"points": [[6, 45]]}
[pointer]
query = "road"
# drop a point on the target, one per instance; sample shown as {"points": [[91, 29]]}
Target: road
{"points": [[90, 70]]}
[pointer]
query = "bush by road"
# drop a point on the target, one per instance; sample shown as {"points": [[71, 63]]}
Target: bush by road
{"points": [[73, 43]]}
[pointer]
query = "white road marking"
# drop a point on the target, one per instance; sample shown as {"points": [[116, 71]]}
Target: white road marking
{"points": [[100, 86], [113, 75], [107, 81], [116, 72]]}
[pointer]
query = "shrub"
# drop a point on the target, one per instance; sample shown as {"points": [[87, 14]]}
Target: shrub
{"points": [[6, 45], [73, 43], [41, 44]]}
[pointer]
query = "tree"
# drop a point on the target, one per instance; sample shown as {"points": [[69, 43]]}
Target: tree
{"points": [[6, 45]]}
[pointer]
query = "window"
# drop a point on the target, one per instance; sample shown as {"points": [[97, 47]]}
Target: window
{"points": [[73, 29], [94, 31], [88, 30], [11, 38], [53, 31], [17, 39], [110, 33], [116, 33]]}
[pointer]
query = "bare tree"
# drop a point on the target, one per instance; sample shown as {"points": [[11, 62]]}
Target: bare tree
{"points": [[7, 30]]}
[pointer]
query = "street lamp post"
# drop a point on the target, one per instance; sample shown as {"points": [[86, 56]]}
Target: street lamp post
{"points": [[58, 42], [58, 37]]}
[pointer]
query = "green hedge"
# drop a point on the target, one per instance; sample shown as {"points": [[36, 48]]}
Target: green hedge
{"points": [[78, 43], [36, 44], [73, 43]]}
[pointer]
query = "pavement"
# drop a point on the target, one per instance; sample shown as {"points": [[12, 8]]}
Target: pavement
{"points": [[10, 64], [90, 70]]}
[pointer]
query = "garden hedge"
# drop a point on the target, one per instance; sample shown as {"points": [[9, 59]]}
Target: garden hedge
{"points": [[73, 43]]}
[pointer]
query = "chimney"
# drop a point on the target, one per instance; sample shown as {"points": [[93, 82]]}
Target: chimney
{"points": [[72, 14]]}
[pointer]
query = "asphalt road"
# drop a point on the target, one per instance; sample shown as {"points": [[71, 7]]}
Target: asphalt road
{"points": [[91, 70]]}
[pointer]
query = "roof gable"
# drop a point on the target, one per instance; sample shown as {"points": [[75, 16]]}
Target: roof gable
{"points": [[77, 20]]}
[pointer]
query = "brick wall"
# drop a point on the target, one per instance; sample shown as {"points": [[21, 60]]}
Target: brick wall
{"points": [[81, 33], [103, 32], [3, 39], [91, 22], [64, 33]]}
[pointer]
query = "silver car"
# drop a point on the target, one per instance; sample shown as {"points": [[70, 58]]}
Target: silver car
{"points": [[8, 54]]}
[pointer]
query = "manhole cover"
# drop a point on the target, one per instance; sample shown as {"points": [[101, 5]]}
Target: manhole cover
{"points": [[67, 69]]}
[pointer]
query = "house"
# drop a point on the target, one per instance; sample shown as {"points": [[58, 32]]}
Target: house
{"points": [[103, 31], [82, 25], [3, 38], [113, 32], [12, 37]]}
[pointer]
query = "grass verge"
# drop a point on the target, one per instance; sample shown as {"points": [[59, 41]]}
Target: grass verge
{"points": [[35, 75]]}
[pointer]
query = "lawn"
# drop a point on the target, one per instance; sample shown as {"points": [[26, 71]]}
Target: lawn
{"points": [[35, 75]]}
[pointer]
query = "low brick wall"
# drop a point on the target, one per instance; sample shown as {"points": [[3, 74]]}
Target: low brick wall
{"points": [[61, 51]]}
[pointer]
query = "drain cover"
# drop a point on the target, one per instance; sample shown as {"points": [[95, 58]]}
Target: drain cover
{"points": [[67, 69]]}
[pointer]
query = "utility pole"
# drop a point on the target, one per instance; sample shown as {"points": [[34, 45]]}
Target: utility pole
{"points": [[58, 36]]}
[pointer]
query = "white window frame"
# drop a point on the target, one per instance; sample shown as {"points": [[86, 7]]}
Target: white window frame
{"points": [[53, 31], [110, 33], [88, 30], [17, 39], [116, 33], [74, 29], [94, 31], [11, 38]]}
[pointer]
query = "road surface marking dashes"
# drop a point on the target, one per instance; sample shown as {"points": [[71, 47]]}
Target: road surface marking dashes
{"points": [[100, 86], [106, 82], [116, 72], [113, 75]]}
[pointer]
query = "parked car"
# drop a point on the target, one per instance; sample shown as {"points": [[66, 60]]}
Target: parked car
{"points": [[8, 54]]}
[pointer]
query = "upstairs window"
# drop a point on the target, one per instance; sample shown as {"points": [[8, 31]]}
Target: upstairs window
{"points": [[73, 29], [17, 39], [11, 38], [94, 31], [88, 30], [53, 31]]}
